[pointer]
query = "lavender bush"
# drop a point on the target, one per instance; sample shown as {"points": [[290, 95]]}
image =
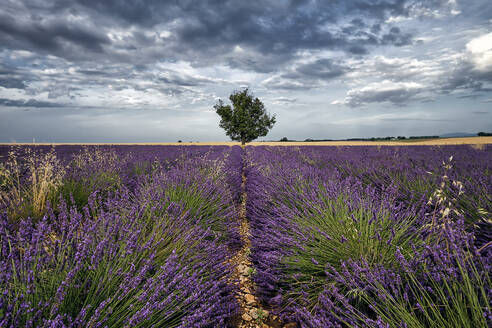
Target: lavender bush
{"points": [[366, 237], [145, 248], [140, 236]]}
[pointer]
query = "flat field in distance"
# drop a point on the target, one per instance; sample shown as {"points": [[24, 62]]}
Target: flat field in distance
{"points": [[428, 142]]}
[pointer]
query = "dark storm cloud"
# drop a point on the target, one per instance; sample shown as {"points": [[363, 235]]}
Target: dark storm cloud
{"points": [[199, 29], [154, 11], [257, 35], [282, 30], [52, 36], [130, 12]]}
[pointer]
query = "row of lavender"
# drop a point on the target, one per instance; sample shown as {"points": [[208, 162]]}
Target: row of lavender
{"points": [[118, 236], [372, 237]]}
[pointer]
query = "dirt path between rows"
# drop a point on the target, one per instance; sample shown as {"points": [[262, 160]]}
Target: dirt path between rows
{"points": [[252, 314]]}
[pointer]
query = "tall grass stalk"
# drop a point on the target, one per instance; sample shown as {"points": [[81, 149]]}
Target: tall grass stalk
{"points": [[28, 184]]}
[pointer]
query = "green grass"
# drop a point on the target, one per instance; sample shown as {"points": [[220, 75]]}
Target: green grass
{"points": [[338, 230], [449, 303]]}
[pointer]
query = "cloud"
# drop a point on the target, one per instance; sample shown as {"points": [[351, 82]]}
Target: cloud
{"points": [[395, 37], [127, 38], [31, 103], [201, 31], [480, 50], [11, 78], [394, 93], [321, 68], [279, 82], [474, 70], [51, 35], [308, 75], [174, 78], [132, 55], [463, 71]]}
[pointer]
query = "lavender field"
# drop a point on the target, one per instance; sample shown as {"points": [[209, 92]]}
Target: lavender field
{"points": [[146, 236]]}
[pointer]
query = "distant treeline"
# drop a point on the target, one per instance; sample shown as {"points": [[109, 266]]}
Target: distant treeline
{"points": [[285, 139], [392, 138]]}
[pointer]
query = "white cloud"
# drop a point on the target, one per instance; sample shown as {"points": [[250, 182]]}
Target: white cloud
{"points": [[480, 52]]}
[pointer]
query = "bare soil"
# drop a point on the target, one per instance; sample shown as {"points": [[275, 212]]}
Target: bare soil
{"points": [[252, 314]]}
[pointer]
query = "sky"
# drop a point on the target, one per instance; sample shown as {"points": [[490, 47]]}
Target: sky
{"points": [[151, 71]]}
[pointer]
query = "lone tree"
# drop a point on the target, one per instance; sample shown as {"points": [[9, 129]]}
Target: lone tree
{"points": [[247, 119]]}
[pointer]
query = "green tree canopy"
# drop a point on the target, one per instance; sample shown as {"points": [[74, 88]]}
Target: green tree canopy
{"points": [[247, 119]]}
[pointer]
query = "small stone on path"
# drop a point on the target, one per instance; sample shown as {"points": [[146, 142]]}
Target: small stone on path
{"points": [[246, 317], [254, 313], [250, 299], [242, 268]]}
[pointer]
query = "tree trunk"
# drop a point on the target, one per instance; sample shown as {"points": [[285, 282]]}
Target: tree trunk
{"points": [[243, 143]]}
